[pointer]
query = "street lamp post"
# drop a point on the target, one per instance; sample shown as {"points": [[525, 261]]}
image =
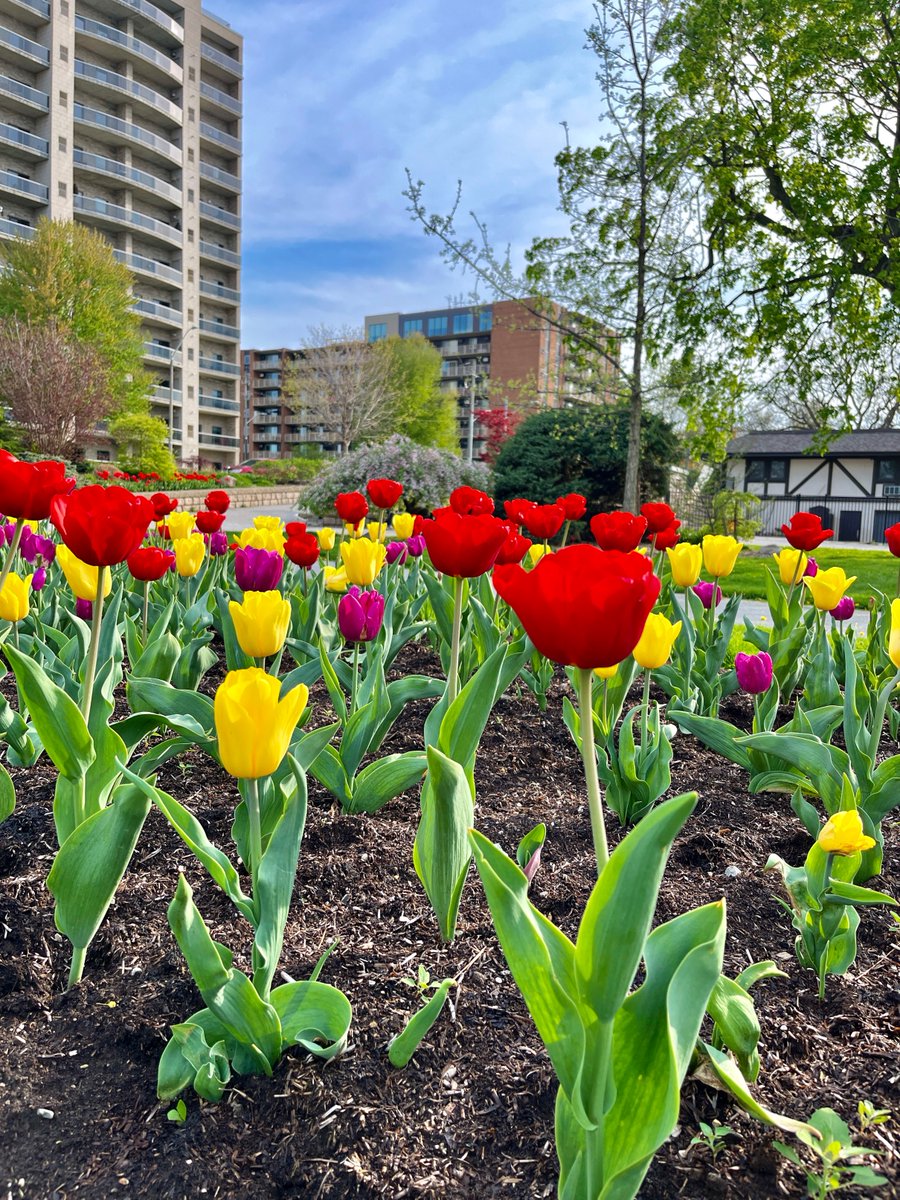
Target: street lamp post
{"points": [[175, 350]]}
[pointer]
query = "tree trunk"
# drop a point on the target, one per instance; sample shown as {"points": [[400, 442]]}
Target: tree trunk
{"points": [[632, 497]]}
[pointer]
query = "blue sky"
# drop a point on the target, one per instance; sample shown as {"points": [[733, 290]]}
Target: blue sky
{"points": [[340, 96]]}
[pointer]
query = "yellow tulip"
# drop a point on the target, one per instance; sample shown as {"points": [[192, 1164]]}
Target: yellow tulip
{"points": [[261, 622], [335, 579], [326, 539], [685, 562], [403, 524], [791, 565], [537, 551], [262, 539], [180, 524], [894, 637], [362, 561], [843, 834], [606, 672], [354, 531], [81, 577], [720, 553], [828, 587], [253, 725], [189, 554], [14, 597], [273, 524], [656, 642], [377, 531]]}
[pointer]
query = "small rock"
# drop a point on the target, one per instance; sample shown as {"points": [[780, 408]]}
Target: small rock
{"points": [[732, 872], [47, 1113]]}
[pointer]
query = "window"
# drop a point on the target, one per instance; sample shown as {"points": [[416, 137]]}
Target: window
{"points": [[887, 470], [437, 326], [412, 326], [485, 319], [103, 455], [377, 331], [462, 323], [766, 470]]}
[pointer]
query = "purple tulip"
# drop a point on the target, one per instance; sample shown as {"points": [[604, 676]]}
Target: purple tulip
{"points": [[754, 672], [35, 548], [27, 547], [844, 609], [706, 591], [217, 543], [812, 568], [416, 545], [9, 532], [84, 609], [38, 579], [396, 552], [257, 570], [360, 614]]}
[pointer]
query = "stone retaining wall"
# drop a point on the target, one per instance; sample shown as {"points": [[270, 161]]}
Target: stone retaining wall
{"points": [[256, 497]]}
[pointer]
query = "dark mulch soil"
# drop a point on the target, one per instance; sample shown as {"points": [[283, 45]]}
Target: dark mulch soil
{"points": [[472, 1115]]}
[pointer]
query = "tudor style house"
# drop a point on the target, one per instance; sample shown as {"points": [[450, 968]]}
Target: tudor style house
{"points": [[854, 487]]}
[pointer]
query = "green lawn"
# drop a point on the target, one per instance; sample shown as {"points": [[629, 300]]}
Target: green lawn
{"points": [[873, 569]]}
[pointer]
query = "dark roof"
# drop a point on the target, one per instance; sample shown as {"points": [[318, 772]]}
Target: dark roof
{"points": [[791, 443]]}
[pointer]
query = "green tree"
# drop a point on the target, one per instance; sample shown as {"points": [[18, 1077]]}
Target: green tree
{"points": [[583, 449], [67, 275], [141, 443], [418, 409], [794, 110]]}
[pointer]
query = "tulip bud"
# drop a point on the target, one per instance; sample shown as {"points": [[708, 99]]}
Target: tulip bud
{"points": [[403, 524], [257, 570], [416, 545], [706, 591], [84, 609], [397, 552], [844, 609], [38, 579], [843, 833], [217, 543], [360, 615], [812, 568], [754, 672]]}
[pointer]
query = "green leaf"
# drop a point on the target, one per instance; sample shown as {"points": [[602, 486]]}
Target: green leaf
{"points": [[717, 735], [385, 779], [736, 1023], [56, 717], [726, 1072], [407, 1042], [441, 852], [7, 794], [313, 1015], [182, 710], [850, 893], [329, 770], [210, 1063], [463, 724], [530, 844], [91, 862]]}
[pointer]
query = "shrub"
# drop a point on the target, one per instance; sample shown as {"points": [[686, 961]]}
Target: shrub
{"points": [[428, 475]]}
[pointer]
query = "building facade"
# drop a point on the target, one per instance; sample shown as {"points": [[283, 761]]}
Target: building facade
{"points": [[126, 115], [270, 426]]}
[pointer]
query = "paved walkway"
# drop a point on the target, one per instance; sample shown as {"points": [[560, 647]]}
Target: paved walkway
{"points": [[758, 612]]}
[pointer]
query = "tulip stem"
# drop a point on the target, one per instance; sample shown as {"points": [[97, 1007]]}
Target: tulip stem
{"points": [[453, 677], [91, 667], [589, 759], [711, 611], [252, 802], [77, 965], [11, 553], [565, 536], [645, 708], [355, 683], [146, 611]]}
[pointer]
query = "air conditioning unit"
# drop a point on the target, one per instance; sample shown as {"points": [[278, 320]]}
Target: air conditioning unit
{"points": [[892, 489]]}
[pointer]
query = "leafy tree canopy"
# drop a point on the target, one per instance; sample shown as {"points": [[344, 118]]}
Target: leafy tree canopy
{"points": [[417, 408], [141, 444]]}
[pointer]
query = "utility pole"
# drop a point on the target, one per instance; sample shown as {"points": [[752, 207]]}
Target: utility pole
{"points": [[175, 350]]}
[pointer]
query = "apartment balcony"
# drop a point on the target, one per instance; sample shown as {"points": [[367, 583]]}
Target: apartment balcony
{"points": [[29, 12], [24, 48], [147, 16], [219, 138], [216, 366], [154, 311], [28, 145], [160, 395], [216, 175], [25, 189], [22, 98], [126, 133], [224, 62], [220, 254], [113, 214], [107, 35], [219, 292], [159, 272], [218, 329], [219, 215], [219, 404], [98, 79], [111, 168], [158, 353], [217, 439], [216, 98], [14, 229]]}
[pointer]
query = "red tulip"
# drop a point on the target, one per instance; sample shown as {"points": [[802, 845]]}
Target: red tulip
{"points": [[163, 505], [210, 522], [659, 517], [582, 606], [544, 521], [893, 539], [149, 562], [666, 538], [620, 531], [384, 493], [573, 505], [805, 531], [302, 549], [101, 525], [514, 548], [293, 528], [26, 489], [470, 502], [516, 509], [351, 507], [463, 546], [218, 501]]}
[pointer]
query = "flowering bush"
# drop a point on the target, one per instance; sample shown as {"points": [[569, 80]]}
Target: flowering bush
{"points": [[429, 476]]}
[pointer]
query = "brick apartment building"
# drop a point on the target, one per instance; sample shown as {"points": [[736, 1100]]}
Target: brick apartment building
{"points": [[493, 355]]}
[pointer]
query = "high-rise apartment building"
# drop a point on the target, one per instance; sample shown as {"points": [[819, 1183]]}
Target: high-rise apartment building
{"points": [[126, 115], [272, 428]]}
